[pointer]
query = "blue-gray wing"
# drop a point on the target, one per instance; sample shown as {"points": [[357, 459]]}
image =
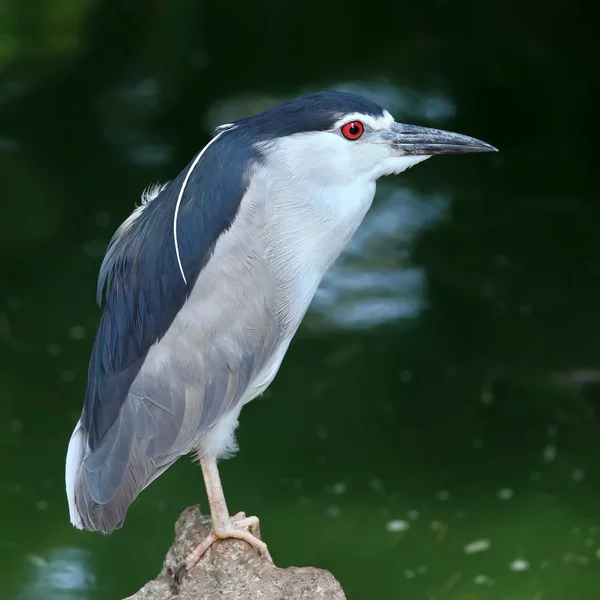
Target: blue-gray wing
{"points": [[144, 287], [170, 356]]}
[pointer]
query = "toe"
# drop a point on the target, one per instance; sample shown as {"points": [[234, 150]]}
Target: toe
{"points": [[200, 550], [179, 571]]}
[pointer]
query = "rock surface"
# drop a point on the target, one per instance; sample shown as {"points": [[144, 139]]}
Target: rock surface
{"points": [[231, 570]]}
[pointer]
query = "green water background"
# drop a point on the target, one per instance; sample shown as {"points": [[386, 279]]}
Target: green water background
{"points": [[433, 432]]}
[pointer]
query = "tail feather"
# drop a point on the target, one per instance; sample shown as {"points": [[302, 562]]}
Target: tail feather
{"points": [[133, 469], [110, 515], [75, 453], [153, 429]]}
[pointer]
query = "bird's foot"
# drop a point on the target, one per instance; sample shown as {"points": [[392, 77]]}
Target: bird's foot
{"points": [[239, 527]]}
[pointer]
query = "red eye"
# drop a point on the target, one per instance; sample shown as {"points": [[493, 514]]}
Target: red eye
{"points": [[353, 130]]}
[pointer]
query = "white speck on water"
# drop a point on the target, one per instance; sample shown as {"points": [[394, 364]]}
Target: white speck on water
{"points": [[552, 430], [460, 514], [397, 525], [590, 542], [16, 425], [519, 564], [304, 501], [41, 505], [297, 484], [413, 514], [77, 332], [421, 569], [322, 433], [578, 475], [377, 486], [334, 511], [53, 349], [593, 530], [598, 553], [487, 397], [483, 580], [544, 564], [478, 546], [505, 494], [405, 375], [67, 376], [37, 561], [102, 219], [443, 495], [549, 453], [47, 482], [477, 443], [571, 557], [435, 525], [576, 530], [339, 488], [535, 476], [409, 574], [161, 505]]}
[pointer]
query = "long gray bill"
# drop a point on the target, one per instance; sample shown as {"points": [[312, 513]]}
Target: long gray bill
{"points": [[412, 140]]}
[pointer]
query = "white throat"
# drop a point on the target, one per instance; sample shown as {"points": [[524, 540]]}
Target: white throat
{"points": [[316, 188]]}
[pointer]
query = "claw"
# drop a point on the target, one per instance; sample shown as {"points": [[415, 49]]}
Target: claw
{"points": [[239, 527], [179, 571]]}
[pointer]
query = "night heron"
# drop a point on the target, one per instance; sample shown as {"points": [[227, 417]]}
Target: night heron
{"points": [[206, 283]]}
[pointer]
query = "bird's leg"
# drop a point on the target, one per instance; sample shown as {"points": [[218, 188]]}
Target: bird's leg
{"points": [[238, 527]]}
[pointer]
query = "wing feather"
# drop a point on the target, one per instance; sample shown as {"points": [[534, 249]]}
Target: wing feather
{"points": [[158, 377]]}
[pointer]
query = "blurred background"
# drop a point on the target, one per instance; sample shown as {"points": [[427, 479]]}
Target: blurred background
{"points": [[433, 431]]}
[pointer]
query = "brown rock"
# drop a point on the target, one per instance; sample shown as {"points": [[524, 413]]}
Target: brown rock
{"points": [[231, 570]]}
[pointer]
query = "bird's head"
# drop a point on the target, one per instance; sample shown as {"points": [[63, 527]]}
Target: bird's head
{"points": [[338, 137]]}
